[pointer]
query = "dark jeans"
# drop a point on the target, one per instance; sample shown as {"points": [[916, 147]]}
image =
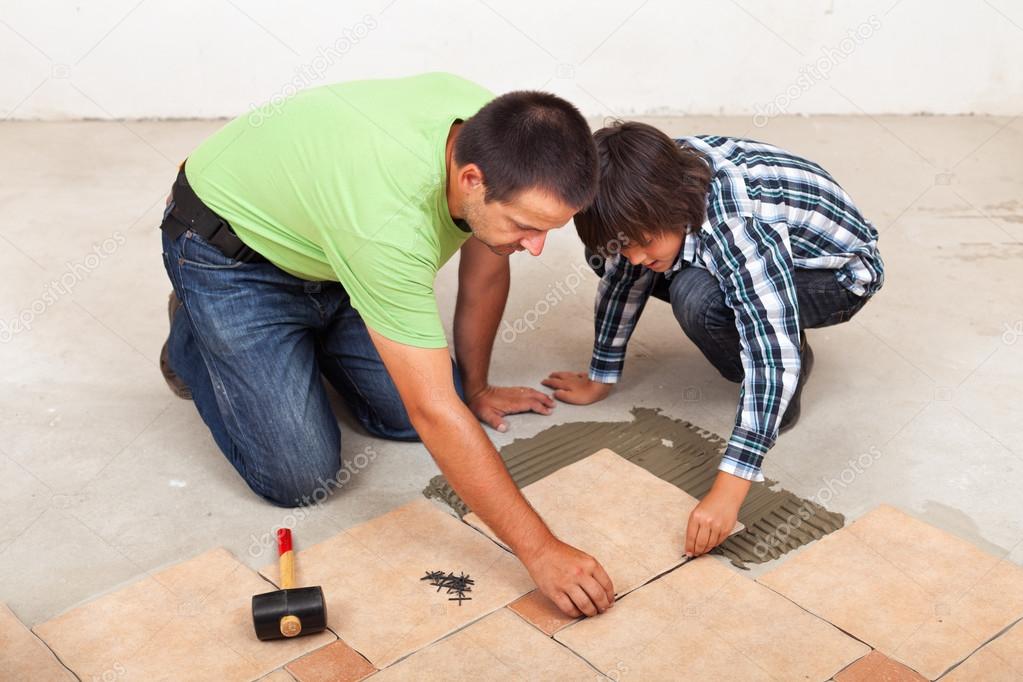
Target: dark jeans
{"points": [[699, 306], [252, 342]]}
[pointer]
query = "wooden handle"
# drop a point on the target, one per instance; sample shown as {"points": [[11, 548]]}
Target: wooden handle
{"points": [[287, 558]]}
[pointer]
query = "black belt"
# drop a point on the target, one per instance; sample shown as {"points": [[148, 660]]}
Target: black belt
{"points": [[188, 212]]}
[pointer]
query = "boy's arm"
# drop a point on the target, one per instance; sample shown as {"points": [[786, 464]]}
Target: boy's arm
{"points": [[756, 273], [621, 295]]}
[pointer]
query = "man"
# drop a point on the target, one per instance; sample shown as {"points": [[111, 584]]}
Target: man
{"points": [[305, 242], [751, 245]]}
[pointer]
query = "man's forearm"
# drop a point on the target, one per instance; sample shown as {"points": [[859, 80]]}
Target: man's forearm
{"points": [[478, 313], [477, 473]]}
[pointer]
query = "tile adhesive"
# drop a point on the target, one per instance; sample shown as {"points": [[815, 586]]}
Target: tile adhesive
{"points": [[777, 521]]}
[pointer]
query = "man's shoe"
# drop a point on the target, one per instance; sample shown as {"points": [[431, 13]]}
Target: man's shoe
{"points": [[177, 386], [806, 366]]}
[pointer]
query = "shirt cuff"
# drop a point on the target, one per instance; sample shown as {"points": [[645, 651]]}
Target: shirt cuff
{"points": [[604, 377], [606, 364], [745, 454]]}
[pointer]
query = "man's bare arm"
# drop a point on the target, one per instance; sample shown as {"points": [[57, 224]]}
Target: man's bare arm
{"points": [[483, 283], [572, 579]]}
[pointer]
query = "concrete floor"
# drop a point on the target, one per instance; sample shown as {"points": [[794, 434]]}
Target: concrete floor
{"points": [[104, 475]]}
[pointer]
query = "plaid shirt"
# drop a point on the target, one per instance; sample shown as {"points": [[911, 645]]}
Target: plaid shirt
{"points": [[768, 212]]}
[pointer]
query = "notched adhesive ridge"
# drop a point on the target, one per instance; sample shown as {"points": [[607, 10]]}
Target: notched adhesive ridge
{"points": [[777, 521]]}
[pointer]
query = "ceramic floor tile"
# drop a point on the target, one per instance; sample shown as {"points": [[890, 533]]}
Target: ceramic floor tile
{"points": [[371, 574], [498, 647], [195, 616], [335, 662], [705, 621], [278, 676], [918, 594], [876, 667], [632, 522], [541, 612], [1000, 660], [23, 656]]}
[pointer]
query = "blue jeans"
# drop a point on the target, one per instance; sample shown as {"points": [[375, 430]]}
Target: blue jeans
{"points": [[699, 306], [251, 342]]}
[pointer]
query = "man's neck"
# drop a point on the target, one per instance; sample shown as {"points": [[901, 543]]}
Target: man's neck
{"points": [[451, 173]]}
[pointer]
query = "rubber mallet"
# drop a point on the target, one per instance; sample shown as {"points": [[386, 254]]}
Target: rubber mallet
{"points": [[289, 611]]}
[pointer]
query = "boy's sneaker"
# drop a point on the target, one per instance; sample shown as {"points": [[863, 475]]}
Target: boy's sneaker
{"points": [[177, 386], [791, 415]]}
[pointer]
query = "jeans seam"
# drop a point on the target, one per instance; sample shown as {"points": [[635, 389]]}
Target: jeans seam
{"points": [[234, 425]]}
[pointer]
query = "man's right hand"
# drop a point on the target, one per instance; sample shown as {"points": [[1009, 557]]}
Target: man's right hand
{"points": [[576, 388], [573, 580]]}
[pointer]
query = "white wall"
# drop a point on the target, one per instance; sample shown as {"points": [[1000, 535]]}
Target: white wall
{"points": [[208, 58]]}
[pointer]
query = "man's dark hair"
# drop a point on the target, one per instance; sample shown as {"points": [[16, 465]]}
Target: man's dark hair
{"points": [[528, 139], [649, 185]]}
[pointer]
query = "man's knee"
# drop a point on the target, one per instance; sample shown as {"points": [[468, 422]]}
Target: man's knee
{"points": [[299, 468], [299, 488]]}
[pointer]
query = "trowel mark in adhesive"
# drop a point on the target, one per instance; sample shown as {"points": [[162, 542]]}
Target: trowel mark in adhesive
{"points": [[777, 521]]}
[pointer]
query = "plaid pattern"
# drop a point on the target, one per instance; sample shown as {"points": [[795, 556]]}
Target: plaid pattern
{"points": [[768, 212]]}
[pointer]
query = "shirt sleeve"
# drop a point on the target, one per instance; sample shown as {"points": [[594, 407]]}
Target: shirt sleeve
{"points": [[392, 289], [755, 269], [621, 296]]}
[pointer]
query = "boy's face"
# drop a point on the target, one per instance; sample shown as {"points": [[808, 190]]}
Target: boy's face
{"points": [[658, 253]]}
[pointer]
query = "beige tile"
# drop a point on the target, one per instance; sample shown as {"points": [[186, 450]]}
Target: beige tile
{"points": [[498, 647], [876, 667], [371, 574], [541, 612], [195, 616], [704, 621], [23, 656], [1000, 660], [278, 676], [632, 522], [335, 662], [919, 595]]}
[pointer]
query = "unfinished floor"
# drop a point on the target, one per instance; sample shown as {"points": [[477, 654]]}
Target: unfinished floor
{"points": [[105, 476]]}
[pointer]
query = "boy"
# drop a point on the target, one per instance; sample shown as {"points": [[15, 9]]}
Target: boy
{"points": [[751, 245]]}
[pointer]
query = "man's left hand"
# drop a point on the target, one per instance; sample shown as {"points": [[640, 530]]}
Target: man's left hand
{"points": [[492, 403], [713, 519]]}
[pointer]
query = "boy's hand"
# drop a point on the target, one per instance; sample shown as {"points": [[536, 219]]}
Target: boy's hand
{"points": [[715, 516], [576, 388]]}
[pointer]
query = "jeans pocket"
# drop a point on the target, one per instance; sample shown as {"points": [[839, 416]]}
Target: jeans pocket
{"points": [[199, 253]]}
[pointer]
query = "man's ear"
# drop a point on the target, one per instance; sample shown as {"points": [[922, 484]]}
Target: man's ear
{"points": [[470, 178]]}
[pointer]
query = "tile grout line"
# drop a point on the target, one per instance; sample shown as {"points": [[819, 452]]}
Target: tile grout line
{"points": [[997, 635]]}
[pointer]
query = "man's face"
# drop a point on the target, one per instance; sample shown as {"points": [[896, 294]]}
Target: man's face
{"points": [[521, 224], [658, 253]]}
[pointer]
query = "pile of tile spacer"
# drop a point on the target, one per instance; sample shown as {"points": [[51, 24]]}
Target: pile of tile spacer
{"points": [[457, 585]]}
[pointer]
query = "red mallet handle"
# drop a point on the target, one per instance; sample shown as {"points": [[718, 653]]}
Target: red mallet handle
{"points": [[287, 558]]}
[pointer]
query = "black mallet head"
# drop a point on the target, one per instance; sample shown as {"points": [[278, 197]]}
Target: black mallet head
{"points": [[288, 613]]}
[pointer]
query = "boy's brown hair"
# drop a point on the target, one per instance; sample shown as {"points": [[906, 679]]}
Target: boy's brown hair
{"points": [[649, 185]]}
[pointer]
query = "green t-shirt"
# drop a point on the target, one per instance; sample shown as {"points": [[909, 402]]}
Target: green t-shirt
{"points": [[346, 182]]}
